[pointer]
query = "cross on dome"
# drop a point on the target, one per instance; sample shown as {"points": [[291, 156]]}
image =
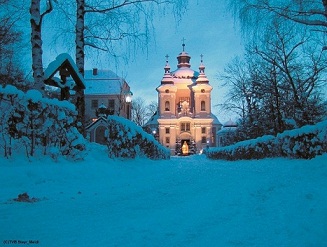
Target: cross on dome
{"points": [[167, 58], [201, 67], [167, 67], [183, 39]]}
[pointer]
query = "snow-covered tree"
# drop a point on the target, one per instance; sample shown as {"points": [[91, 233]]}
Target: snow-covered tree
{"points": [[277, 85], [33, 123], [11, 69]]}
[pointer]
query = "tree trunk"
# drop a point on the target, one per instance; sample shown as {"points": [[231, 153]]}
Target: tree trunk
{"points": [[79, 40], [36, 42]]}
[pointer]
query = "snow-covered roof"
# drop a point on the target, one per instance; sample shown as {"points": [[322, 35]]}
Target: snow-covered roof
{"points": [[63, 60], [100, 120], [226, 130], [229, 126], [230, 123], [185, 72], [153, 120], [102, 82], [215, 119]]}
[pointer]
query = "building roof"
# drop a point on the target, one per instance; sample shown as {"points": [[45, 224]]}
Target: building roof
{"points": [[102, 82], [215, 119], [153, 120], [230, 123]]}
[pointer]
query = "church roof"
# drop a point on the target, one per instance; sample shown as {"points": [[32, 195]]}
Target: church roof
{"points": [[184, 70], [215, 119], [153, 120], [185, 73]]}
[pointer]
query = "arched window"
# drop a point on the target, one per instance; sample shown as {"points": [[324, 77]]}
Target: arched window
{"points": [[167, 106], [203, 105], [167, 91]]}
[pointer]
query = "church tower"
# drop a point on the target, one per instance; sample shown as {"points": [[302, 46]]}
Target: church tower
{"points": [[184, 122]]}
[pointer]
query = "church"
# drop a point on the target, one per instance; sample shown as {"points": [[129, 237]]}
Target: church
{"points": [[184, 122]]}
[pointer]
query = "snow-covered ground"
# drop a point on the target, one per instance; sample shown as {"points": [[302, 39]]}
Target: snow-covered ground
{"points": [[185, 201]]}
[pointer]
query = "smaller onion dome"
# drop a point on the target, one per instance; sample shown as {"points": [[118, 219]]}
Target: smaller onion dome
{"points": [[202, 76], [167, 78]]}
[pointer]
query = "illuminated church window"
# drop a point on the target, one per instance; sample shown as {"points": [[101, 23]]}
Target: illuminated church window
{"points": [[185, 126]]}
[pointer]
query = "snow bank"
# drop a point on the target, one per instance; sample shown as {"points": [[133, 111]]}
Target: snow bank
{"points": [[31, 123], [127, 140], [303, 143]]}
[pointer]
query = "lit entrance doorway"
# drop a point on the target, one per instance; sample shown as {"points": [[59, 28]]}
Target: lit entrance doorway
{"points": [[185, 147]]}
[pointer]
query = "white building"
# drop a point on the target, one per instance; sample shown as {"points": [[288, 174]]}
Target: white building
{"points": [[104, 87]]}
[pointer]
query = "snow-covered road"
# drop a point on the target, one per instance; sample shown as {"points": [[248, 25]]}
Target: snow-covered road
{"points": [[186, 201]]}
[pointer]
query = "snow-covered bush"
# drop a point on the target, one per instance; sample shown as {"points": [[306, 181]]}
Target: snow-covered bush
{"points": [[303, 143], [33, 123], [127, 140]]}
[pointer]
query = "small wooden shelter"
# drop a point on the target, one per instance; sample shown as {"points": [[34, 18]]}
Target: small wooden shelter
{"points": [[66, 67]]}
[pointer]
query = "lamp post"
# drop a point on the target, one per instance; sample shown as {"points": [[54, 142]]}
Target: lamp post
{"points": [[128, 99], [155, 134]]}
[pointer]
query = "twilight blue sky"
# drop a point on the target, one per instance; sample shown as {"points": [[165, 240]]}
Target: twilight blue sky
{"points": [[208, 28]]}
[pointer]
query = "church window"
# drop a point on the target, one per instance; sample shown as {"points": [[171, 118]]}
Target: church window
{"points": [[167, 91], [167, 106], [182, 99], [167, 140], [94, 103], [202, 90], [167, 130], [203, 130], [185, 126], [203, 140], [203, 105]]}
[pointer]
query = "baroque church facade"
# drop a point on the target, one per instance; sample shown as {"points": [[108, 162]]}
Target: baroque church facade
{"points": [[184, 122]]}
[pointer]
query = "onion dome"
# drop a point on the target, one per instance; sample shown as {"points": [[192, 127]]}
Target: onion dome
{"points": [[183, 67], [183, 59], [167, 78], [202, 76]]}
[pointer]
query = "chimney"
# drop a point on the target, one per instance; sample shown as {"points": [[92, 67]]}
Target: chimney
{"points": [[95, 71]]}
